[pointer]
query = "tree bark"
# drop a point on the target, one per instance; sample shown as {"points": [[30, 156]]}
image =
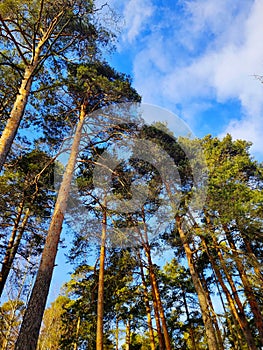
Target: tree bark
{"points": [[158, 298], [18, 109], [29, 332], [75, 347], [117, 334], [209, 328], [191, 331], [7, 261], [238, 314], [100, 305], [147, 304], [249, 292], [16, 115], [128, 335], [213, 314]]}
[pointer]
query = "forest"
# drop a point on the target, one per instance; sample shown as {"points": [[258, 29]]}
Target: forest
{"points": [[162, 233]]}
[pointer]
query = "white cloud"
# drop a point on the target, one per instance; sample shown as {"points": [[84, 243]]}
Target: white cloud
{"points": [[136, 13], [213, 54]]}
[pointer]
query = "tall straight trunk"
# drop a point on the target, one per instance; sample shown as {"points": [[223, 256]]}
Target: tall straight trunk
{"points": [[29, 332], [155, 288], [128, 335], [204, 305], [249, 292], [157, 321], [100, 305], [6, 263], [18, 109], [16, 115], [213, 314], [238, 314], [241, 313], [235, 334], [254, 261], [117, 334], [251, 255], [147, 304], [163, 335], [11, 254], [191, 331], [75, 347]]}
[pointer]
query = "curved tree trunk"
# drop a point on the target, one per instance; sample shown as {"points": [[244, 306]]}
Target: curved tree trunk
{"points": [[29, 332]]}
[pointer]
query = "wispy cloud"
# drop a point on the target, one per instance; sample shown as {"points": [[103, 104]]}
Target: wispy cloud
{"points": [[201, 52], [136, 13]]}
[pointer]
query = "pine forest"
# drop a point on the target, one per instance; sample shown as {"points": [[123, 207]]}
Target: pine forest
{"points": [[162, 234]]}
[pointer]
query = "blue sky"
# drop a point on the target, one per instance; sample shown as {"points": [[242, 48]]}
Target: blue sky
{"points": [[198, 59]]}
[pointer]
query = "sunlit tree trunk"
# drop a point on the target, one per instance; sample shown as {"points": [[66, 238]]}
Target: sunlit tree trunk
{"points": [[16, 115], [191, 331], [21, 101], [29, 332], [238, 313], [128, 335], [213, 314], [100, 305], [117, 334], [77, 334], [204, 305], [249, 292], [6, 265], [147, 304], [12, 248], [156, 292]]}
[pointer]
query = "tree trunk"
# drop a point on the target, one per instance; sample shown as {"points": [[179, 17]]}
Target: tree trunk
{"points": [[117, 334], [147, 304], [29, 332], [16, 115], [249, 292], [238, 314], [158, 298], [191, 331], [128, 335], [12, 250], [157, 321], [213, 314], [100, 305], [6, 264], [18, 109], [75, 347], [209, 328]]}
